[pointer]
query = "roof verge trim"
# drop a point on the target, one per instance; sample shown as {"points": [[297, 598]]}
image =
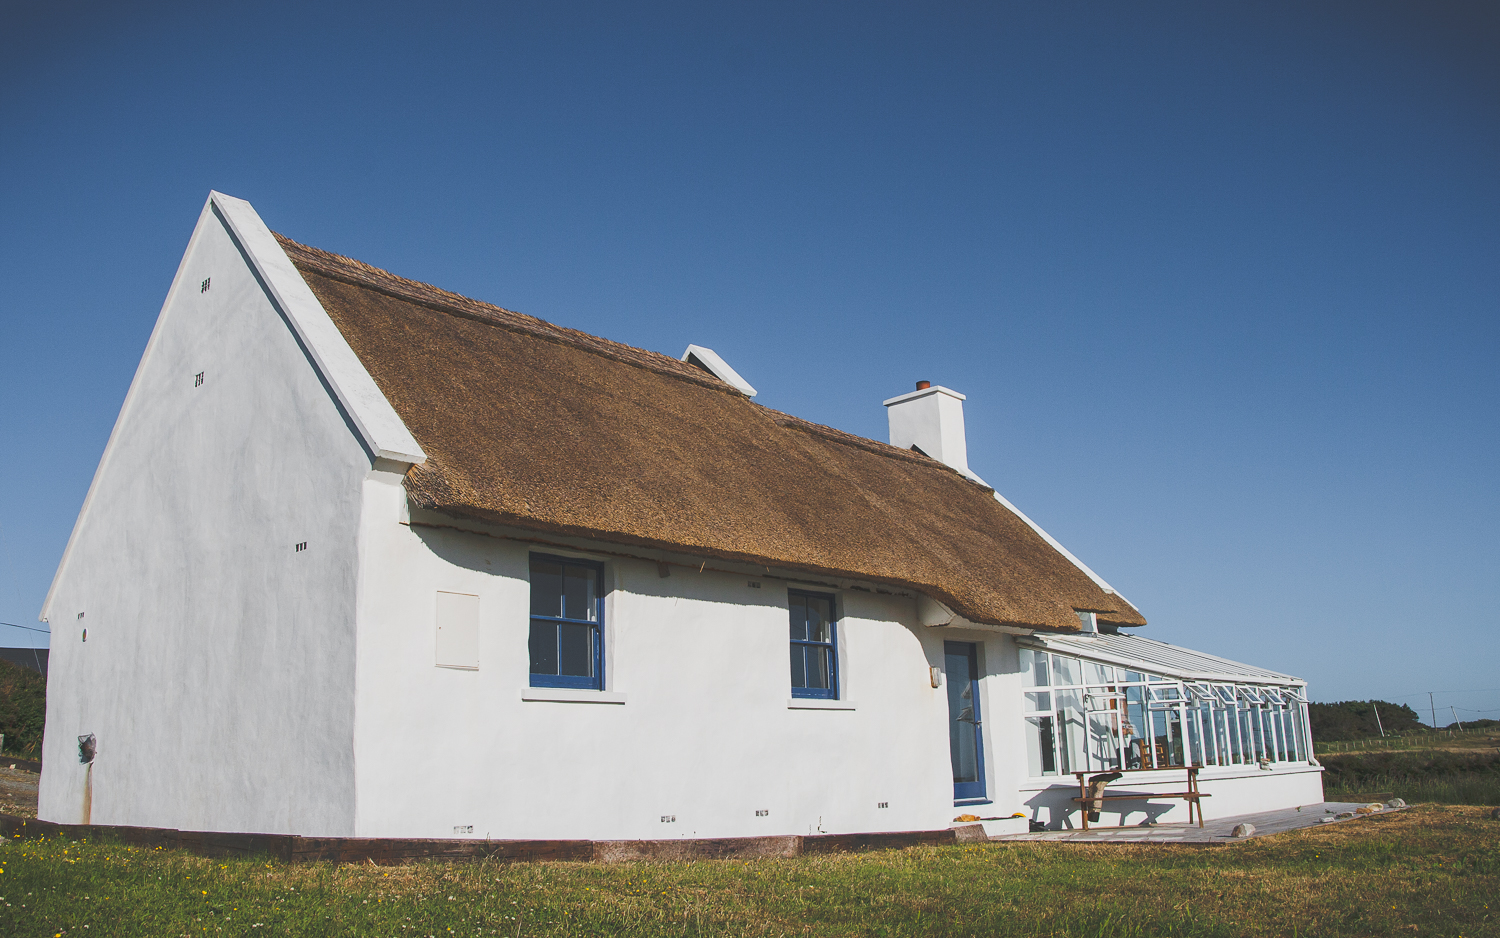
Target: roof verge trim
{"points": [[383, 430]]}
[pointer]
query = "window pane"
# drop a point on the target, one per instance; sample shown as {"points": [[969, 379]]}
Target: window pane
{"points": [[543, 645], [1096, 673], [1066, 670], [1034, 668], [575, 647], [818, 672], [1072, 741], [1134, 677], [798, 606], [1040, 758], [819, 615], [962, 740], [1135, 731], [546, 590], [1038, 701], [799, 666], [578, 594]]}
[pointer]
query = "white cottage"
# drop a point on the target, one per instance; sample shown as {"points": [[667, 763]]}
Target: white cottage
{"points": [[366, 558]]}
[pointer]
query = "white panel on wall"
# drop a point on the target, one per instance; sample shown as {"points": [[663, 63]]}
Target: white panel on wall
{"points": [[457, 631]]}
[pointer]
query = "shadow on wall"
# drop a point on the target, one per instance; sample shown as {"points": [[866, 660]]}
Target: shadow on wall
{"points": [[1063, 815]]}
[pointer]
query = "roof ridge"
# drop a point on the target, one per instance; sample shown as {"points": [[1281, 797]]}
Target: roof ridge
{"points": [[844, 437], [358, 273]]}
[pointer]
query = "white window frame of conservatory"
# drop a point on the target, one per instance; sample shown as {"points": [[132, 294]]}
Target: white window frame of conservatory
{"points": [[1225, 697]]}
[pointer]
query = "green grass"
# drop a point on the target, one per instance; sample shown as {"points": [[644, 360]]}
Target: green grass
{"points": [[1463, 776], [1435, 868]]}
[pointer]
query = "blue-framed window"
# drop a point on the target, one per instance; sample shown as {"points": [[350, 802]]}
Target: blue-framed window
{"points": [[815, 659], [567, 622]]}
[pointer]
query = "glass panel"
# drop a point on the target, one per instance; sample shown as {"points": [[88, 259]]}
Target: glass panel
{"points": [[1168, 740], [1286, 749], [1034, 668], [546, 592], [1134, 677], [1065, 671], [1247, 737], [799, 666], [1194, 739], [1225, 694], [1103, 741], [1155, 677], [543, 645], [962, 731], [1299, 728], [1041, 758], [798, 606], [1038, 701], [1213, 746], [1072, 743], [1200, 691], [575, 649], [1249, 693], [1134, 731], [578, 594], [1096, 673], [818, 672], [818, 616], [1165, 692], [1271, 694]]}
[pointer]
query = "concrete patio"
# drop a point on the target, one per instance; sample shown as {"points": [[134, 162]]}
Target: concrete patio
{"points": [[1216, 831]]}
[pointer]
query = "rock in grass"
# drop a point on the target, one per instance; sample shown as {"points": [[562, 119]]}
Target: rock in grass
{"points": [[1495, 814], [1243, 830]]}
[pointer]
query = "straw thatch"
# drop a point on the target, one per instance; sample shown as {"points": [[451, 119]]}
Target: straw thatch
{"points": [[536, 426]]}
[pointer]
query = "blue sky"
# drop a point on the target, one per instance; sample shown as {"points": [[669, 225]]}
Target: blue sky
{"points": [[1220, 281]]}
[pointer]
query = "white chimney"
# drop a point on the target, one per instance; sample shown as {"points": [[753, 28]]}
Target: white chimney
{"points": [[931, 419]]}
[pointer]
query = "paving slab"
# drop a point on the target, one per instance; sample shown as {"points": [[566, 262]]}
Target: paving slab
{"points": [[1214, 830]]}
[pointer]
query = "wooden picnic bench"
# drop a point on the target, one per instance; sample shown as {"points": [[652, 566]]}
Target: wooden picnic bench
{"points": [[1192, 796]]}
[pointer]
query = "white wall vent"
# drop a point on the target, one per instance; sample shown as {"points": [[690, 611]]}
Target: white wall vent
{"points": [[709, 361]]}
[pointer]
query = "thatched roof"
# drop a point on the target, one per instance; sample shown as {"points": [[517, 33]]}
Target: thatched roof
{"points": [[535, 426]]}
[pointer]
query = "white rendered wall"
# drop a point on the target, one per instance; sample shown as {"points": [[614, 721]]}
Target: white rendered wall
{"points": [[218, 674], [704, 734]]}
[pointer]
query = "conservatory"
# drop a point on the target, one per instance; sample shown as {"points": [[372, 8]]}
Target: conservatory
{"points": [[1120, 703]]}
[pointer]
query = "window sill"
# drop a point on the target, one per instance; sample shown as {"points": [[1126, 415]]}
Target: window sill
{"points": [[817, 703], [572, 695], [965, 802]]}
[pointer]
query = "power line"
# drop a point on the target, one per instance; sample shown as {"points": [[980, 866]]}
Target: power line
{"points": [[27, 628]]}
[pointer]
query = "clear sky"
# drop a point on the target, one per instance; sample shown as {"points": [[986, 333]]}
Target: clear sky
{"points": [[1220, 281]]}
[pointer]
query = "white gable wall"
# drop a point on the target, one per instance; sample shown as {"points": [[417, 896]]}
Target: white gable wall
{"points": [[704, 733], [218, 672]]}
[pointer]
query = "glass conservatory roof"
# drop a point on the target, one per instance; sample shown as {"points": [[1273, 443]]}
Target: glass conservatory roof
{"points": [[1146, 654]]}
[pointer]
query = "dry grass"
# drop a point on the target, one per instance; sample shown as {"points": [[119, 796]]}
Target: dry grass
{"points": [[1430, 870]]}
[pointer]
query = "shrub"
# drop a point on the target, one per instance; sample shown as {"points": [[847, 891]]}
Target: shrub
{"points": [[23, 708]]}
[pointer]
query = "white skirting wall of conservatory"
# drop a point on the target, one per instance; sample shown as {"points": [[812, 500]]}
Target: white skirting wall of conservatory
{"points": [[1232, 790]]}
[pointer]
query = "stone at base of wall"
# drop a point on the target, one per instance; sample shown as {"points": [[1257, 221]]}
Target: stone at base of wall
{"points": [[393, 850]]}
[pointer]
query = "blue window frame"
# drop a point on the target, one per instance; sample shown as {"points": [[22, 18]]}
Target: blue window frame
{"points": [[815, 659], [567, 622]]}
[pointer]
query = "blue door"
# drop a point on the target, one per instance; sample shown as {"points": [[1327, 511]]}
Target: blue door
{"points": [[965, 739]]}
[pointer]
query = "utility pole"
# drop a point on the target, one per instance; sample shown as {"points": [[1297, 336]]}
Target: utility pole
{"points": [[1455, 718], [1378, 724], [1434, 709]]}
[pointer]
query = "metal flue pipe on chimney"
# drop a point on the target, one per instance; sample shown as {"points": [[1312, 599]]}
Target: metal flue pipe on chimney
{"points": [[931, 421]]}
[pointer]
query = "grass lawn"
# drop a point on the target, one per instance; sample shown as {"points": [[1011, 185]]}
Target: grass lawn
{"points": [[1432, 870]]}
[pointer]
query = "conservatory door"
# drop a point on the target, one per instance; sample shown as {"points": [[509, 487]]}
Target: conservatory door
{"points": [[965, 736]]}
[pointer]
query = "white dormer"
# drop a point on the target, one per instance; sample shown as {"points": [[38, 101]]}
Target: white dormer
{"points": [[931, 420], [709, 361]]}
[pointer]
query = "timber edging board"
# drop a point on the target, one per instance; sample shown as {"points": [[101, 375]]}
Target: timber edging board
{"points": [[291, 848]]}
